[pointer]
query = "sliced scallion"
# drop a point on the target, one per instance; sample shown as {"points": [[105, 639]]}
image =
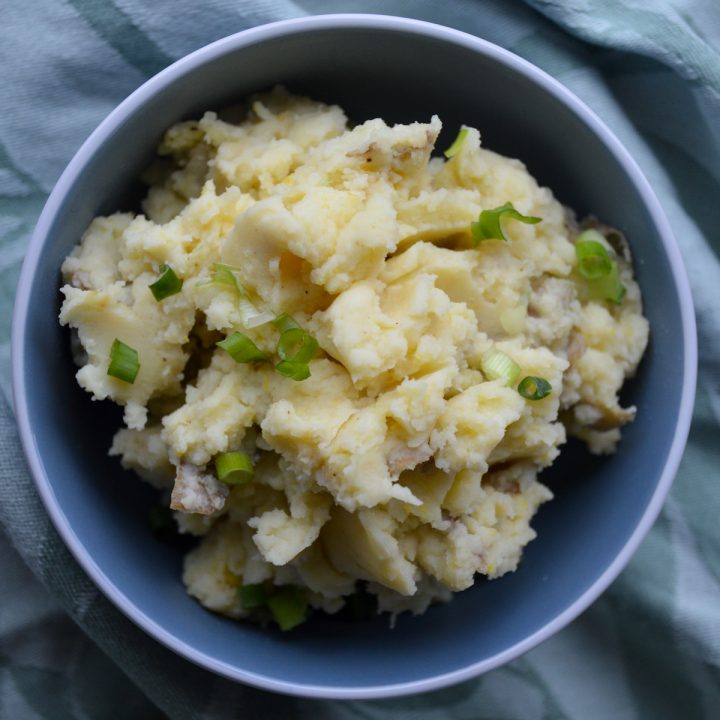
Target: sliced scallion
{"points": [[293, 370], [242, 349], [534, 388], [234, 468], [598, 268], [296, 349], [296, 345], [593, 261], [225, 275], [497, 365], [288, 606], [250, 316], [167, 284], [124, 362], [609, 287], [488, 224], [253, 596], [285, 322], [457, 144]]}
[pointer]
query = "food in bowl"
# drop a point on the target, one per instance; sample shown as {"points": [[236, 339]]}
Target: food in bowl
{"points": [[348, 360]]}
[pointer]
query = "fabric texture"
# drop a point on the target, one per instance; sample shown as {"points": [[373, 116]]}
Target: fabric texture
{"points": [[650, 647]]}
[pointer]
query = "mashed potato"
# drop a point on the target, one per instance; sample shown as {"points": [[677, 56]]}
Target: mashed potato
{"points": [[404, 460]]}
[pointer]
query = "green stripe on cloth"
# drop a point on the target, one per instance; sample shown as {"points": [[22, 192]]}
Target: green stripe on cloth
{"points": [[120, 32]]}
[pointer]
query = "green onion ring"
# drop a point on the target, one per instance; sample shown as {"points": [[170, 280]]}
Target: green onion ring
{"points": [[293, 370], [457, 144], [242, 349], [234, 468], [488, 224], [497, 365], [167, 284], [288, 606], [285, 322], [253, 596], [534, 388], [297, 346], [124, 362]]}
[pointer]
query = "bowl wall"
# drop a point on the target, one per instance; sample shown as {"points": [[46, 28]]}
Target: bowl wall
{"points": [[400, 70]]}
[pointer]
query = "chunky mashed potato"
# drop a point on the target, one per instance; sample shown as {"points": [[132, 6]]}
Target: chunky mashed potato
{"points": [[398, 462]]}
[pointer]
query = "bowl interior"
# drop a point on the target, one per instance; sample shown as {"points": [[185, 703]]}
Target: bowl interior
{"points": [[400, 76]]}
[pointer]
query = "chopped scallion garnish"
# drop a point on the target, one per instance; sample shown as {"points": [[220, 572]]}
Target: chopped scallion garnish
{"points": [[124, 362], [253, 596], [250, 316], [609, 287], [242, 349], [296, 345], [293, 370], [225, 275], [285, 322], [296, 349], [167, 284], [598, 268], [234, 468], [534, 388], [497, 365], [593, 261], [457, 144], [488, 224], [288, 606]]}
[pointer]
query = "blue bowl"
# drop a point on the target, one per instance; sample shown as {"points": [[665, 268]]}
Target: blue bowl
{"points": [[400, 70]]}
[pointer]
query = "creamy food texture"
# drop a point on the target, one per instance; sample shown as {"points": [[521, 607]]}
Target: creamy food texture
{"points": [[398, 462]]}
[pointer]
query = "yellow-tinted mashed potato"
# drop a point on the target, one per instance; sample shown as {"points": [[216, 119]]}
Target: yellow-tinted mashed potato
{"points": [[398, 461]]}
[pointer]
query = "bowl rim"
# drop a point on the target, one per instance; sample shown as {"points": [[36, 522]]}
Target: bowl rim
{"points": [[257, 35]]}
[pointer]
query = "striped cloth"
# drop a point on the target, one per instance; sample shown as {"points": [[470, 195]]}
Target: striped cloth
{"points": [[650, 647]]}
